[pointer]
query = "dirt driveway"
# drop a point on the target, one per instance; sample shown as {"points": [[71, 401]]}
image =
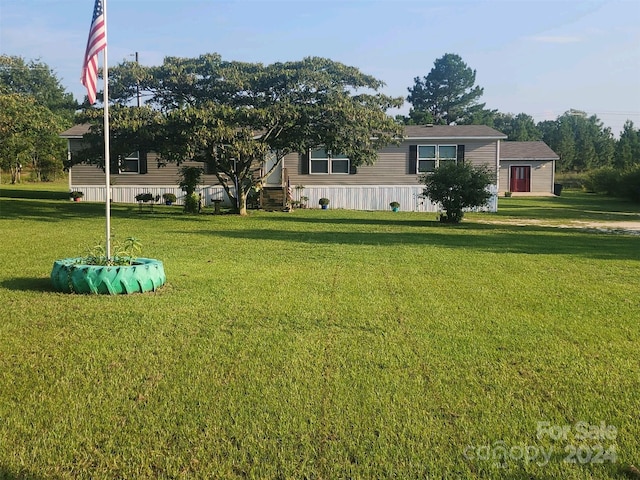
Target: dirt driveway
{"points": [[626, 227]]}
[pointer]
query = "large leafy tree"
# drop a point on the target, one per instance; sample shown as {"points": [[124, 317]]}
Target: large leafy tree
{"points": [[35, 79], [448, 93], [518, 128], [29, 135], [231, 115], [34, 109]]}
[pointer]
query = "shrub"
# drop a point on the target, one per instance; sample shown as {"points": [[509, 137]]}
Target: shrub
{"points": [[630, 183], [615, 182], [571, 180], [456, 187], [144, 197], [169, 197], [191, 203], [323, 201], [604, 180]]}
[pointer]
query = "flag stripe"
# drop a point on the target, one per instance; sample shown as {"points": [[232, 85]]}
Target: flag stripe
{"points": [[96, 42]]}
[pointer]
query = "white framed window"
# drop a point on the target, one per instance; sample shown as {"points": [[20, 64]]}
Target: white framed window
{"points": [[130, 163], [431, 157], [321, 162]]}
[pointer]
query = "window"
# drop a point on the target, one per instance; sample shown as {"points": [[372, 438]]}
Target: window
{"points": [[130, 163], [431, 157], [322, 162]]}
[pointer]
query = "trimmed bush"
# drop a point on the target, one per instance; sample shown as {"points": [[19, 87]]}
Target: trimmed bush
{"points": [[456, 187]]}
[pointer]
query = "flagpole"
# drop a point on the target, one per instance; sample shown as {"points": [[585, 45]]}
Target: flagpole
{"points": [[107, 158]]}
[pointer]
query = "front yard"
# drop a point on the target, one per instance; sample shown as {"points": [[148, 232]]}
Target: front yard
{"points": [[324, 344]]}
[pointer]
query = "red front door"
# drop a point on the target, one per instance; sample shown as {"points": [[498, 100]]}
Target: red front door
{"points": [[520, 179]]}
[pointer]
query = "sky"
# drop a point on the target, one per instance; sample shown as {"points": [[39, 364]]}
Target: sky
{"points": [[538, 57]]}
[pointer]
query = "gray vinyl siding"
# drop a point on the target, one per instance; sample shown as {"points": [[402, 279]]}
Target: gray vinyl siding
{"points": [[541, 174], [392, 166], [84, 174]]}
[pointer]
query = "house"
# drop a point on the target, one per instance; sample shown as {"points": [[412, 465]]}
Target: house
{"points": [[395, 176], [138, 172], [527, 168]]}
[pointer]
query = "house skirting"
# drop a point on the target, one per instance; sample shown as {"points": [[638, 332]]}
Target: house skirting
{"points": [[378, 197], [350, 197], [127, 193]]}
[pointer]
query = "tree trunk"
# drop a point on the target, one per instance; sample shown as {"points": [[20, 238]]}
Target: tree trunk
{"points": [[14, 174], [242, 201]]}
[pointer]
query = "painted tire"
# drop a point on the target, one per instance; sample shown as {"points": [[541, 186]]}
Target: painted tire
{"points": [[145, 275]]}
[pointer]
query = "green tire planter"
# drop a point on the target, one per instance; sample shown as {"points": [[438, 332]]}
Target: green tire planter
{"points": [[71, 276]]}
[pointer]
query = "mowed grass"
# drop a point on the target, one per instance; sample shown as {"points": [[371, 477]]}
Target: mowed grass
{"points": [[321, 345]]}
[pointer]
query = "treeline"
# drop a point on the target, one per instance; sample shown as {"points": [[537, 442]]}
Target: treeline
{"points": [[34, 110]]}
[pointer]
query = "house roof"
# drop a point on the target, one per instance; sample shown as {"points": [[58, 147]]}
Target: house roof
{"points": [[527, 151], [77, 131], [411, 132], [437, 132]]}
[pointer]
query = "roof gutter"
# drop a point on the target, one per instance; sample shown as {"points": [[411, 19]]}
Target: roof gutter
{"points": [[456, 138]]}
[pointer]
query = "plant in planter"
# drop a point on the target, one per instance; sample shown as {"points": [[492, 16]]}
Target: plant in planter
{"points": [[303, 201], [76, 195], [169, 198], [395, 206], [144, 197], [324, 203], [121, 273]]}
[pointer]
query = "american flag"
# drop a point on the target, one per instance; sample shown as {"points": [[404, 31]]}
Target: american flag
{"points": [[96, 43]]}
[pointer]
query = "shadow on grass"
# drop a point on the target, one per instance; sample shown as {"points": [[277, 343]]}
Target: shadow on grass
{"points": [[28, 284], [48, 211], [17, 192], [7, 473], [335, 220], [56, 211], [488, 238]]}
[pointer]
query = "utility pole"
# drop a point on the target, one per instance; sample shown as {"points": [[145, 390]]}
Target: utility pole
{"points": [[137, 83]]}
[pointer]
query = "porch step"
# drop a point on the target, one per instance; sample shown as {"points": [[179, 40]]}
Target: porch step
{"points": [[273, 198]]}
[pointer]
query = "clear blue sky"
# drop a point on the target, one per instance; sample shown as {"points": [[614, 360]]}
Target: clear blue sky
{"points": [[538, 57]]}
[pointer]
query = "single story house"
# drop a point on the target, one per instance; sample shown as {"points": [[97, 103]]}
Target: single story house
{"points": [[395, 176], [527, 168]]}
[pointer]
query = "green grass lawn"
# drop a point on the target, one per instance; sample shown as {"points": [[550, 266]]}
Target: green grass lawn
{"points": [[322, 345]]}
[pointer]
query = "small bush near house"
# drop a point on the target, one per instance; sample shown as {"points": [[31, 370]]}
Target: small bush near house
{"points": [[169, 197], [191, 203], [456, 187], [144, 197], [189, 180]]}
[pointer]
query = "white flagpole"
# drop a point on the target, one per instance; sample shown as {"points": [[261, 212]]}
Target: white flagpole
{"points": [[107, 159]]}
